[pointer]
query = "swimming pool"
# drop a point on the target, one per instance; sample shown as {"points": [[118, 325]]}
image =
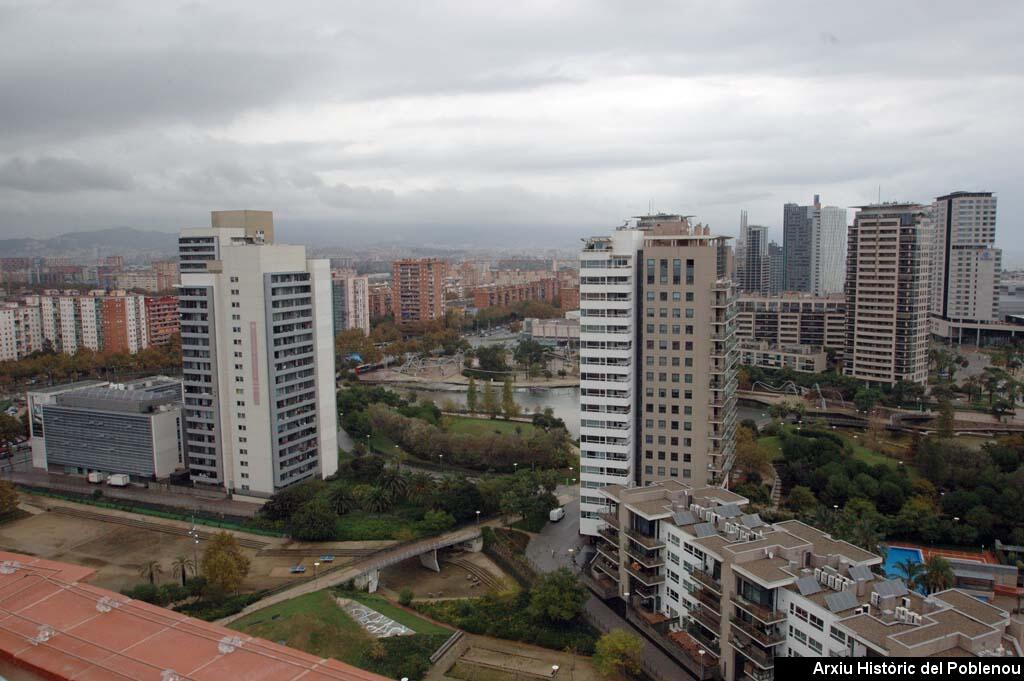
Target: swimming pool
{"points": [[900, 554]]}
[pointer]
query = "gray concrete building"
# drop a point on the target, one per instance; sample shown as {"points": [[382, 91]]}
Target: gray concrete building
{"points": [[132, 428]]}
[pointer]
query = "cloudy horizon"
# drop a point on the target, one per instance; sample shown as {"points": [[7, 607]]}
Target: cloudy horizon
{"points": [[455, 122]]}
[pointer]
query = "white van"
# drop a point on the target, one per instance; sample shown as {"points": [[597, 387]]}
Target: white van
{"points": [[556, 514]]}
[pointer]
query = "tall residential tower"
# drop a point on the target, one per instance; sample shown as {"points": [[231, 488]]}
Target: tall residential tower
{"points": [[257, 357], [888, 293], [814, 243], [657, 359]]}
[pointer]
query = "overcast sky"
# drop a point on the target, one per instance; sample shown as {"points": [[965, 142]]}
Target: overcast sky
{"points": [[521, 122]]}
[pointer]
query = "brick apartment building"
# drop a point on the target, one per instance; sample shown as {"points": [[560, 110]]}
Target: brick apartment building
{"points": [[417, 290]]}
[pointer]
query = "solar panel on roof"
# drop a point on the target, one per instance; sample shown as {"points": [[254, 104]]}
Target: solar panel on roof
{"points": [[808, 585], [684, 518], [752, 520], [891, 587], [860, 573], [704, 530], [728, 511], [840, 601]]}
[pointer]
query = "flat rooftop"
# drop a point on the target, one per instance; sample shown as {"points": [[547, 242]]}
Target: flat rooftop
{"points": [[56, 626]]}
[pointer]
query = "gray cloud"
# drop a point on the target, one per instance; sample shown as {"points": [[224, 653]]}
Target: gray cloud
{"points": [[443, 121], [60, 176]]}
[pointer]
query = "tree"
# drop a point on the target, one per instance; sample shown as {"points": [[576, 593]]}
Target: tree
{"points": [[224, 565], [471, 396], [557, 596], [151, 570], [315, 521], [617, 654], [866, 398], [341, 499], [944, 422], [394, 482], [749, 456], [801, 499], [436, 522], [508, 400], [181, 566], [491, 358], [10, 429], [911, 571], [490, 400], [378, 500], [529, 353], [938, 574], [8, 498], [285, 503]]}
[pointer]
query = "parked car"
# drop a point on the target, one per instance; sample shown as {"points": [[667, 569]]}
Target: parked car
{"points": [[327, 558], [556, 514], [297, 569]]}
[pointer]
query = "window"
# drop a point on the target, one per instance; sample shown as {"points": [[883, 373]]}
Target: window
{"points": [[234, 280]]}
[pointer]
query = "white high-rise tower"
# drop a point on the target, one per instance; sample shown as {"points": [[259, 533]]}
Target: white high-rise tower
{"points": [[257, 357]]}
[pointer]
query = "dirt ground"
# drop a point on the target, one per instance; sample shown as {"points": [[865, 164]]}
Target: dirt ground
{"points": [[117, 552], [451, 582], [480, 658]]}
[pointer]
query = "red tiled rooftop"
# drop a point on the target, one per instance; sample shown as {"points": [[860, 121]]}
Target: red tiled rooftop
{"points": [[135, 641]]}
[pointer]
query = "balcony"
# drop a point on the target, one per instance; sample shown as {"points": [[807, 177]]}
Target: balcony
{"points": [[603, 587], [651, 559], [609, 552], [609, 534], [696, 657], [755, 674], [707, 618], [709, 598], [643, 575], [766, 637], [764, 614], [752, 652], [709, 643], [610, 518], [602, 564], [706, 579], [645, 540]]}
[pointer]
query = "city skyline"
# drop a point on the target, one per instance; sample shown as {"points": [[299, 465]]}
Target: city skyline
{"points": [[523, 127]]}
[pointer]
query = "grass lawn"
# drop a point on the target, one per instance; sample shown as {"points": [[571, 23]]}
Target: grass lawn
{"points": [[316, 624], [384, 445], [472, 426], [770, 445], [313, 623]]}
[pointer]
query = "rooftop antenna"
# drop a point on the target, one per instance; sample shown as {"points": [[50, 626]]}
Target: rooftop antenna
{"points": [[879, 193]]}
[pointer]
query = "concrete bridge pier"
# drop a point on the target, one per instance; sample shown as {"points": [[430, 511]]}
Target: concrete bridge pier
{"points": [[368, 580], [475, 545], [430, 560]]}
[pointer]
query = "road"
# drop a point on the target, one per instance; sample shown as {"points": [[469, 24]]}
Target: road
{"points": [[549, 550]]}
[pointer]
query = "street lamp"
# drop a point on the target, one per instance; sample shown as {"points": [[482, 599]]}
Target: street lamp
{"points": [[478, 517], [700, 656], [554, 670], [316, 570]]}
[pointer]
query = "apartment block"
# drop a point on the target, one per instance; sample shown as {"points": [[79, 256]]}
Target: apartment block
{"points": [[21, 330], [502, 295], [776, 269], [381, 300], [569, 296], [162, 319], [351, 301], [966, 269], [814, 244], [132, 428], [753, 268], [792, 320], [725, 593], [257, 357], [100, 320], [888, 293], [805, 359], [417, 290], [657, 359]]}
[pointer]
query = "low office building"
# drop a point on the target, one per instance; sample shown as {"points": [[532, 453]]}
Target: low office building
{"points": [[132, 428], [792, 319], [803, 358], [724, 592], [560, 332]]}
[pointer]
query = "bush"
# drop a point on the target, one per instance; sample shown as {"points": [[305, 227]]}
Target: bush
{"points": [[142, 592], [215, 610], [405, 597]]}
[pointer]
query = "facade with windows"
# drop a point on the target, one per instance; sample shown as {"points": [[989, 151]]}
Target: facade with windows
{"points": [[657, 359], [257, 357]]}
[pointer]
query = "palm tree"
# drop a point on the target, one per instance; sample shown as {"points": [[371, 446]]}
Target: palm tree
{"points": [[911, 571], [341, 499], [151, 570], [421, 487], [938, 574], [181, 566], [394, 482], [378, 500]]}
